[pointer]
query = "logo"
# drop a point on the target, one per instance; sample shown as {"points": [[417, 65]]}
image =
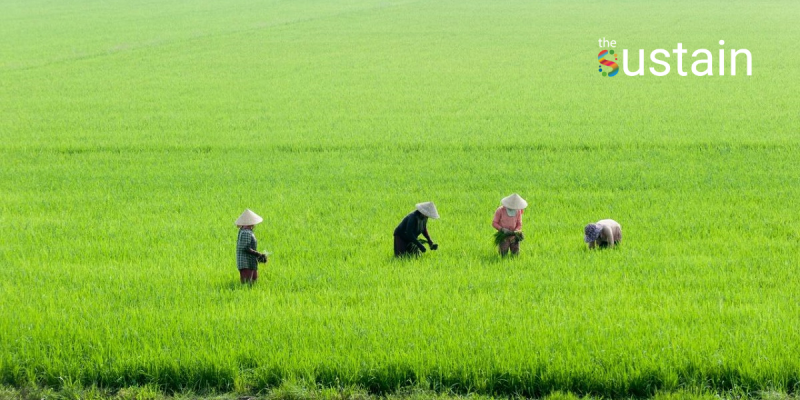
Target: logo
{"points": [[702, 61], [601, 58]]}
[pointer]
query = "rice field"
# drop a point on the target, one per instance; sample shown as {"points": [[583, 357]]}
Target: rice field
{"points": [[133, 133]]}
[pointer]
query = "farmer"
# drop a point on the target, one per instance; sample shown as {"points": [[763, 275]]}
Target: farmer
{"points": [[508, 220], [406, 234], [603, 233], [247, 257]]}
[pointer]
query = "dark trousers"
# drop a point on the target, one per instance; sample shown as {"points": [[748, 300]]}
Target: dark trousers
{"points": [[402, 248], [248, 275], [604, 245], [509, 243]]}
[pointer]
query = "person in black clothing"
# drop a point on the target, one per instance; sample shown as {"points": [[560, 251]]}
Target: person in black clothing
{"points": [[406, 234]]}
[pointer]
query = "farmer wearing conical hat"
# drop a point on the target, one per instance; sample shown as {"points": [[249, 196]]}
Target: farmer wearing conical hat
{"points": [[508, 220], [247, 257], [603, 233], [406, 235]]}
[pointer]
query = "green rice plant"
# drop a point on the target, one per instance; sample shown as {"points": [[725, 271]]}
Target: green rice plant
{"points": [[500, 236]]}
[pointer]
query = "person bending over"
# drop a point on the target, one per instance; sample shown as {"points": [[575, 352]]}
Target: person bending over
{"points": [[406, 235], [603, 233]]}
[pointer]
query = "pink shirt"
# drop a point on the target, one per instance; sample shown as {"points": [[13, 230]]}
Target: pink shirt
{"points": [[502, 220]]}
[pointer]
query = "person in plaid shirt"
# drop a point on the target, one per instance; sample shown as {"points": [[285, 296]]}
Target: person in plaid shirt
{"points": [[247, 255]]}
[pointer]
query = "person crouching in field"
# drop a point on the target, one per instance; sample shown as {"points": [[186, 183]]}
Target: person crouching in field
{"points": [[603, 233], [508, 222], [247, 257], [406, 235]]}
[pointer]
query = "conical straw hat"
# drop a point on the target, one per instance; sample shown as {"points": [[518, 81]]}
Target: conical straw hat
{"points": [[248, 218], [514, 202], [428, 209]]}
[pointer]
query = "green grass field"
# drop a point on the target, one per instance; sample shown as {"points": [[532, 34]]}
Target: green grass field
{"points": [[133, 133]]}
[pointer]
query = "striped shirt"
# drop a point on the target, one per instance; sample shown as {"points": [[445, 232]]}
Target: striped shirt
{"points": [[246, 240]]}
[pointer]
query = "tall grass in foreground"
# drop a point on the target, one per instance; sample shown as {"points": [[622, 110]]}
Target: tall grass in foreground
{"points": [[292, 390]]}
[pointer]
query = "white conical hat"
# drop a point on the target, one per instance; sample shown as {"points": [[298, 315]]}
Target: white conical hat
{"points": [[428, 209], [248, 218], [514, 202]]}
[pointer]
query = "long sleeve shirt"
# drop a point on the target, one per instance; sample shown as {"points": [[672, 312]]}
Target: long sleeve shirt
{"points": [[502, 220], [246, 241], [411, 227], [611, 232]]}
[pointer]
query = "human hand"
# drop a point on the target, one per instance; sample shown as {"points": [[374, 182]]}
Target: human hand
{"points": [[422, 249], [434, 246]]}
